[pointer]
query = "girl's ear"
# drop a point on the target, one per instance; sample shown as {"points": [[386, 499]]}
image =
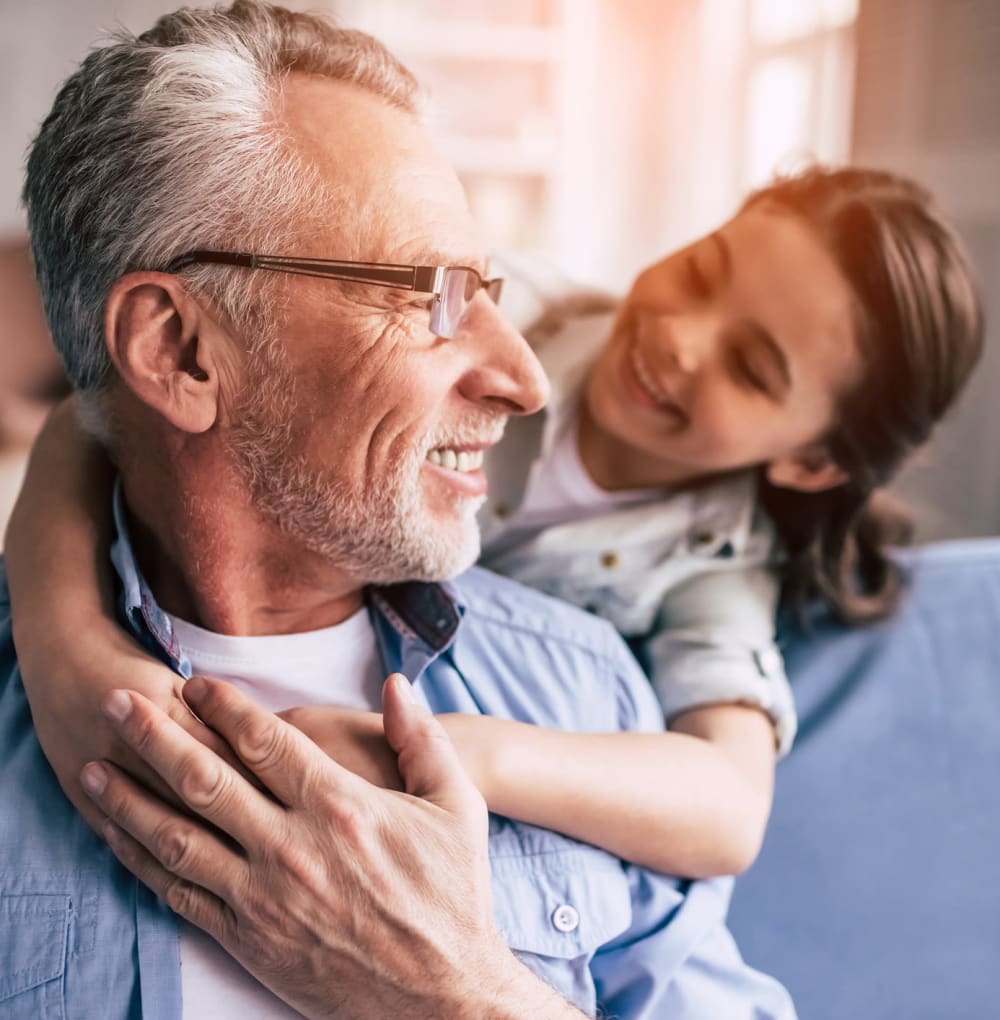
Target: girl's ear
{"points": [[807, 470], [161, 343]]}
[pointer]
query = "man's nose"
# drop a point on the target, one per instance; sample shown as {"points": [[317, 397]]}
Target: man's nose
{"points": [[503, 370]]}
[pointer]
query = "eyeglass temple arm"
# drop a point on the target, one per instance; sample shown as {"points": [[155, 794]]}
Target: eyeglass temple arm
{"points": [[425, 279]]}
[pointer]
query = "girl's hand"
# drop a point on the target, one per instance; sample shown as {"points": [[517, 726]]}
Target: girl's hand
{"points": [[356, 740], [353, 739], [72, 730]]}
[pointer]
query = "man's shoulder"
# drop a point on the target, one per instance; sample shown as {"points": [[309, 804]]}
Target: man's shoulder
{"points": [[507, 603], [567, 667]]}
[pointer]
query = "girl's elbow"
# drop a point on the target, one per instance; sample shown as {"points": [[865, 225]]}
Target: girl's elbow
{"points": [[744, 851], [740, 840]]}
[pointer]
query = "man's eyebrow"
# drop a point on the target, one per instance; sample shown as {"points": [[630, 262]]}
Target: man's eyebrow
{"points": [[435, 257], [725, 256]]}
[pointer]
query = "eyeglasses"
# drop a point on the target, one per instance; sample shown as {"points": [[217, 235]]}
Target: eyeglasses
{"points": [[453, 287]]}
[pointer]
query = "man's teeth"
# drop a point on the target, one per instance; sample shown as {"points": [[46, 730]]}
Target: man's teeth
{"points": [[646, 379], [457, 460]]}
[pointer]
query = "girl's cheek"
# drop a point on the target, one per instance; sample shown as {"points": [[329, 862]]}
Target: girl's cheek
{"points": [[726, 423]]}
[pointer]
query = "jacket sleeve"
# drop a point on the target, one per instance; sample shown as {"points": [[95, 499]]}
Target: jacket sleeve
{"points": [[714, 642]]}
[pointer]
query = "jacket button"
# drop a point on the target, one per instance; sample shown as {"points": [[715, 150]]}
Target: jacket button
{"points": [[565, 918], [704, 538], [609, 560], [501, 510]]}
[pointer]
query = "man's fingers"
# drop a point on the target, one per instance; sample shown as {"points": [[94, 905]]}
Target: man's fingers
{"points": [[184, 897], [428, 762], [179, 710], [181, 846], [201, 780], [282, 758]]}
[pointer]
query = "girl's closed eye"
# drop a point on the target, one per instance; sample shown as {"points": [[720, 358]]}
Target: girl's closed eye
{"points": [[748, 373]]}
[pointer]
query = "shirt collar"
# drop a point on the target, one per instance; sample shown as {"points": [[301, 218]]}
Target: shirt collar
{"points": [[414, 621], [567, 359]]}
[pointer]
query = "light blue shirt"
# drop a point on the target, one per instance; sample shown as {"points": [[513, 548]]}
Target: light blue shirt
{"points": [[79, 937]]}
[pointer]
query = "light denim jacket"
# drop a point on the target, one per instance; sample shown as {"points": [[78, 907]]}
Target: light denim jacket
{"points": [[688, 578], [79, 937]]}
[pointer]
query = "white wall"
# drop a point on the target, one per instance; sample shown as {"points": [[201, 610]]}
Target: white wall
{"points": [[649, 161], [41, 43]]}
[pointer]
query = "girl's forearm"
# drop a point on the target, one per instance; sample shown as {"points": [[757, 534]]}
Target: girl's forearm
{"points": [[57, 540], [674, 802], [70, 649]]}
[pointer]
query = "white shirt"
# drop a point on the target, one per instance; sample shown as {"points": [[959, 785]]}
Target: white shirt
{"points": [[336, 665], [561, 490]]}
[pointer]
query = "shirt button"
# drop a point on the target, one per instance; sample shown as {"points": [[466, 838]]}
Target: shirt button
{"points": [[565, 918], [501, 510], [609, 560]]}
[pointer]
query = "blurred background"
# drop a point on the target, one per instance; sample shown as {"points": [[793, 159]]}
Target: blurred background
{"points": [[605, 132]]}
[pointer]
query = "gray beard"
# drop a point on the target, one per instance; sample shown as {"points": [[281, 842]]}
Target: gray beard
{"points": [[381, 535]]}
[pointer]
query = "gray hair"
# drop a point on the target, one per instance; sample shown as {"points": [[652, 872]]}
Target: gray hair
{"points": [[161, 143]]}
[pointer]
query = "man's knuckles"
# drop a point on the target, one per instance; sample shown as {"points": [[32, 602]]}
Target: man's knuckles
{"points": [[191, 903], [262, 742], [173, 844], [202, 782], [346, 817]]}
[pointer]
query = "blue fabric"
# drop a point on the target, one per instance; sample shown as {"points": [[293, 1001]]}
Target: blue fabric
{"points": [[876, 893], [635, 944]]}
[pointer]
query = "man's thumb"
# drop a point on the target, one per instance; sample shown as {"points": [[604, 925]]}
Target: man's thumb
{"points": [[427, 760]]}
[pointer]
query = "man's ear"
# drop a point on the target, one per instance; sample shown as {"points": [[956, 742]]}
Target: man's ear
{"points": [[161, 343], [808, 470]]}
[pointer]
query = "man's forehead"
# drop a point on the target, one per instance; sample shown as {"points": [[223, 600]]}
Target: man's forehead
{"points": [[393, 196]]}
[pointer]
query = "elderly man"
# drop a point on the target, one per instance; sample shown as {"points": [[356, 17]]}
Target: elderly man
{"points": [[269, 296]]}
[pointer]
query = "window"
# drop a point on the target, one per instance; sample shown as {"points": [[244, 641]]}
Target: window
{"points": [[796, 85]]}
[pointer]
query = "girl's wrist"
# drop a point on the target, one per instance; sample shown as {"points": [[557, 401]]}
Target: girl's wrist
{"points": [[478, 749]]}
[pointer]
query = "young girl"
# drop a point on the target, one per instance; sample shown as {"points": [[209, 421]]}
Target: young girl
{"points": [[725, 428]]}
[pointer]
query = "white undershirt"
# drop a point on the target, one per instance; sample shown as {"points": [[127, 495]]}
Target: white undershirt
{"points": [[561, 491], [336, 665]]}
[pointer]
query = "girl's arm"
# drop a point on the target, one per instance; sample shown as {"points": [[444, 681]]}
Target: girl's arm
{"points": [[70, 648], [692, 801]]}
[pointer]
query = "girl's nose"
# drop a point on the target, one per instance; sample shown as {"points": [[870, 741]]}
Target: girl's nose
{"points": [[685, 341]]}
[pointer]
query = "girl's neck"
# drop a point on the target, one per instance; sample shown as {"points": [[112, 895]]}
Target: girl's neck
{"points": [[614, 465]]}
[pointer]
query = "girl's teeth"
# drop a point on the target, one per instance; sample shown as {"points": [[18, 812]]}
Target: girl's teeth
{"points": [[449, 459], [647, 382]]}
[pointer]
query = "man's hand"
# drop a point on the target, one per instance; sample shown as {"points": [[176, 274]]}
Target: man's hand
{"points": [[344, 899]]}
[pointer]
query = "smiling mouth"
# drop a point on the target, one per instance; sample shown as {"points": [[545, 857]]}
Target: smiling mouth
{"points": [[650, 387], [463, 461]]}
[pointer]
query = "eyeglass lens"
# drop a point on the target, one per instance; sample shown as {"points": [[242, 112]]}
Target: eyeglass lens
{"points": [[459, 288]]}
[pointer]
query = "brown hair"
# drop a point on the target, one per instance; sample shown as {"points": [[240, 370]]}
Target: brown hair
{"points": [[919, 329]]}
